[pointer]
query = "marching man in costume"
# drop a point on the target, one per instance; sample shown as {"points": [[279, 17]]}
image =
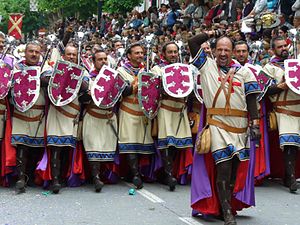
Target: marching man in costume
{"points": [[172, 113], [99, 127], [62, 121], [229, 92], [134, 128], [262, 158], [28, 120], [286, 104]]}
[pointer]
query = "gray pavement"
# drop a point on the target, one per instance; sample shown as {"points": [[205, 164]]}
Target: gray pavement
{"points": [[153, 205]]}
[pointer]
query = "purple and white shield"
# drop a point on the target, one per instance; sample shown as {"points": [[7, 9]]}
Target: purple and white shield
{"points": [[5, 79], [107, 88], [26, 87], [178, 80], [149, 93], [198, 88], [65, 82], [292, 74], [255, 69]]}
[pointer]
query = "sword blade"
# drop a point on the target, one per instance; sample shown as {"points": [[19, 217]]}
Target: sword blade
{"points": [[110, 121]]}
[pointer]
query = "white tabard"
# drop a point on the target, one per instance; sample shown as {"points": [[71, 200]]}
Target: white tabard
{"points": [[288, 125], [133, 137], [168, 119], [225, 144]]}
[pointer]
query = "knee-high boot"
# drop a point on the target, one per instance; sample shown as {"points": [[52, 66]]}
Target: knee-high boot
{"points": [[98, 184], [21, 167], [133, 164], [167, 159], [55, 170], [224, 193], [290, 154]]}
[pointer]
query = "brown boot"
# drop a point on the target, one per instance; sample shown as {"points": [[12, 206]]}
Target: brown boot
{"points": [[133, 164], [21, 167], [167, 159], [98, 184], [290, 154], [224, 193], [55, 170]]}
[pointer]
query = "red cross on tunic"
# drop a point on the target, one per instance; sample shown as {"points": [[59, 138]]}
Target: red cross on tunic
{"points": [[234, 83]]}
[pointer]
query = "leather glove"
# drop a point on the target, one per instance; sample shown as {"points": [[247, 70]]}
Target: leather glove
{"points": [[255, 134]]}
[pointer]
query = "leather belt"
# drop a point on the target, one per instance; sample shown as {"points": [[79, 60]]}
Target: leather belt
{"points": [[28, 119], [166, 97], [287, 102], [66, 113], [89, 110], [131, 111], [39, 107], [131, 100], [227, 112], [226, 127], [287, 112], [170, 108]]}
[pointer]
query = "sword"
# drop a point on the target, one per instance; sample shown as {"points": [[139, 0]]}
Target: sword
{"points": [[181, 116], [145, 128], [110, 122], [39, 124]]}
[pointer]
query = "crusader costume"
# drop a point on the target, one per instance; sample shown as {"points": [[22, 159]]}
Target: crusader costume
{"points": [[229, 90], [134, 127], [28, 119], [286, 104], [174, 131]]}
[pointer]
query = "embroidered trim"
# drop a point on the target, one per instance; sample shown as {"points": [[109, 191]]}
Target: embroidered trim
{"points": [[176, 142]]}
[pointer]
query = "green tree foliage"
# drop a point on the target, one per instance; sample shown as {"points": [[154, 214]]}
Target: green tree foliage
{"points": [[32, 21], [120, 6], [83, 9]]}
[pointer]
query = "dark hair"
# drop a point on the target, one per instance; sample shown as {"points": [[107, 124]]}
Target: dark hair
{"points": [[242, 43], [218, 39], [95, 53], [164, 48], [278, 38], [130, 47]]}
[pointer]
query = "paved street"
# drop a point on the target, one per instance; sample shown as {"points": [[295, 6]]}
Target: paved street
{"points": [[153, 205]]}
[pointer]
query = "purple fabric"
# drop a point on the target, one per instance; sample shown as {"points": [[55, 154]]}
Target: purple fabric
{"points": [[111, 176], [148, 171], [247, 194], [74, 180], [9, 60], [266, 142], [43, 163], [266, 139], [201, 188]]}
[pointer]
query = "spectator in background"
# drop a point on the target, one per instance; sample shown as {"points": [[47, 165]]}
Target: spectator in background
{"points": [[199, 13], [248, 7]]}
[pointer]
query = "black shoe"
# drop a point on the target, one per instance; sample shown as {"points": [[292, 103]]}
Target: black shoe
{"points": [[98, 184], [56, 186], [171, 182], [20, 185], [293, 185], [137, 182]]}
